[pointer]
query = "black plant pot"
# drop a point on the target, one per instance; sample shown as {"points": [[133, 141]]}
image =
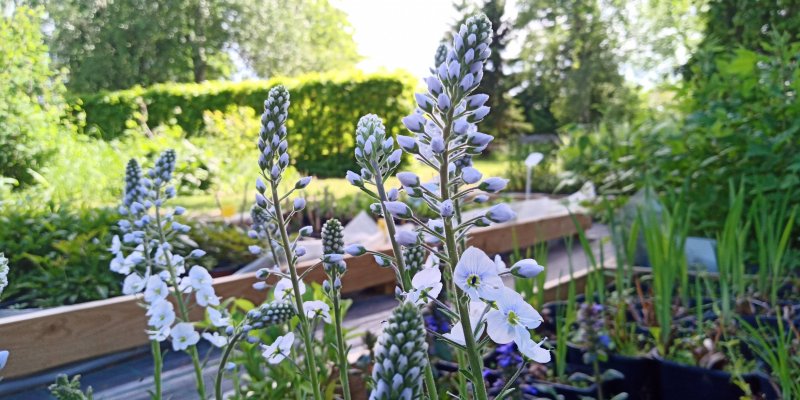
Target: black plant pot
{"points": [[641, 377], [685, 382]]}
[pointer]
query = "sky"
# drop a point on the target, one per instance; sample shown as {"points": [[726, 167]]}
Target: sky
{"points": [[398, 34]]}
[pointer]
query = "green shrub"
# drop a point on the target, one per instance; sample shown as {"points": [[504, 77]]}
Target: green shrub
{"points": [[59, 256], [323, 115]]}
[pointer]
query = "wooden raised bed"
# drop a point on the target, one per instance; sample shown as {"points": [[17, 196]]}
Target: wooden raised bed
{"points": [[50, 338]]}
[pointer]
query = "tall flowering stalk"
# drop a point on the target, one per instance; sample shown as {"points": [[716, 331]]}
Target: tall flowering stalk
{"points": [[446, 138], [273, 161], [335, 267], [379, 159], [154, 269]]}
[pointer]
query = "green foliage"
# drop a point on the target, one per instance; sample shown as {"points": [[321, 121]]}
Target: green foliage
{"points": [[323, 114], [59, 256], [569, 58], [69, 389], [743, 124], [545, 177], [293, 37], [111, 45], [31, 103]]}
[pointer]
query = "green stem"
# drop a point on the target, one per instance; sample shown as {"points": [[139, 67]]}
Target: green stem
{"points": [[344, 365], [405, 283], [462, 303], [155, 349], [311, 362], [184, 312], [222, 362], [598, 379]]}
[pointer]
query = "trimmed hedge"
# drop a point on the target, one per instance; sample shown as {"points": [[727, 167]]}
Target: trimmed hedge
{"points": [[322, 118]]}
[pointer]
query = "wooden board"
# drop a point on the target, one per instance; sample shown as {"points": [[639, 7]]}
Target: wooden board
{"points": [[46, 339]]}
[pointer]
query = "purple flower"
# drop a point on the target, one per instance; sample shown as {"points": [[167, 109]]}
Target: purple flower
{"points": [[446, 208], [355, 250], [493, 184], [500, 213], [408, 179], [424, 103], [398, 209], [261, 200], [299, 203], [479, 139], [479, 114], [481, 198], [437, 145], [394, 158], [408, 143], [470, 175], [415, 123], [434, 85], [393, 194], [466, 82], [354, 179], [460, 126], [302, 182], [260, 186], [527, 268], [406, 238], [476, 100], [443, 102]]}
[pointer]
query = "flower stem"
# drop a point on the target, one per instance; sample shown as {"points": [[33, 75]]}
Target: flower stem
{"points": [[344, 365], [305, 328], [155, 349], [462, 303], [405, 283], [192, 350], [222, 362]]}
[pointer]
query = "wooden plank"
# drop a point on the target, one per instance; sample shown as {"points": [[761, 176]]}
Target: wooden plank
{"points": [[45, 339]]}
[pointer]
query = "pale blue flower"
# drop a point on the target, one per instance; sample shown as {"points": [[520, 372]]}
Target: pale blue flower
{"points": [[408, 179], [493, 184], [406, 238], [500, 213], [355, 250], [183, 335], [470, 175], [527, 268], [398, 209]]}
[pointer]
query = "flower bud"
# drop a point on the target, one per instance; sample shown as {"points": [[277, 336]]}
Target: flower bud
{"points": [[355, 250], [393, 194], [408, 179], [299, 203], [470, 175], [446, 209], [527, 268], [408, 144], [354, 179], [406, 238], [500, 213], [398, 209], [424, 103], [493, 184], [303, 182]]}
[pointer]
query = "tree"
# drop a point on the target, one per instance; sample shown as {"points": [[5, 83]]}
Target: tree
{"points": [[116, 44], [292, 37], [569, 59], [506, 118], [31, 102]]}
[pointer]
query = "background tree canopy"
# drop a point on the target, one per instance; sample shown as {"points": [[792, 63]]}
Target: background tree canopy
{"points": [[116, 44]]}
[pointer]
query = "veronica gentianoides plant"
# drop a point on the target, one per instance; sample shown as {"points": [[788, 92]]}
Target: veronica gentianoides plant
{"points": [[155, 271], [446, 138]]}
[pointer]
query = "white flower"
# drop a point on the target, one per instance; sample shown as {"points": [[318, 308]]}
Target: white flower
{"points": [[427, 285], [116, 245], [216, 317], [279, 349], [199, 277], [161, 313], [156, 289], [317, 308], [183, 335], [159, 335], [500, 264], [527, 268], [3, 358], [206, 296], [124, 265], [476, 274], [534, 351], [284, 289], [456, 333], [512, 319], [133, 284], [215, 339]]}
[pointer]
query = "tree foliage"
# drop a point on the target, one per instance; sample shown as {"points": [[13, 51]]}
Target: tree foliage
{"points": [[31, 103], [116, 44], [570, 59]]}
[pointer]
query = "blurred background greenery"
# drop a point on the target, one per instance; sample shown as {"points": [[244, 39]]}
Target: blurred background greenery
{"points": [[687, 95]]}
